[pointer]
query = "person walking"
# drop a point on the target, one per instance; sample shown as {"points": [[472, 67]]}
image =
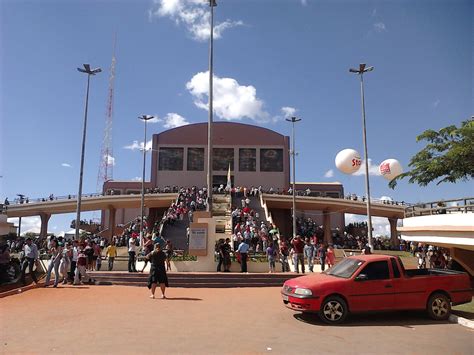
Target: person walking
{"points": [[219, 254], [309, 252], [157, 271], [75, 251], [226, 253], [111, 254], [147, 249], [31, 255], [271, 255], [56, 253], [284, 253], [243, 250], [298, 246], [322, 255], [132, 251], [330, 256]]}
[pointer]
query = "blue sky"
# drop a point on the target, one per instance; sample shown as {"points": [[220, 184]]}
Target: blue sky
{"points": [[272, 58]]}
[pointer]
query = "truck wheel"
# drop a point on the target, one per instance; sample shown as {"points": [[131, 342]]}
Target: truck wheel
{"points": [[333, 310], [439, 306]]}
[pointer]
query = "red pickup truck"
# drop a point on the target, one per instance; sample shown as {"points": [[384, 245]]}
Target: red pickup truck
{"points": [[376, 283]]}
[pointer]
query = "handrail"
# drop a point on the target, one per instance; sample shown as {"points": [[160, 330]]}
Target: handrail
{"points": [[462, 205]]}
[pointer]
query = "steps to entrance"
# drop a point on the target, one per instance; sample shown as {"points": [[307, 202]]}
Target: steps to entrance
{"points": [[195, 280]]}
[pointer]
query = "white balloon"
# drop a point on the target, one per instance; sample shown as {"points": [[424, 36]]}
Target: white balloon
{"points": [[390, 169], [348, 161]]}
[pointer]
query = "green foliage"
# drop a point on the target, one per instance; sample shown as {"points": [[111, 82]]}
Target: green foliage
{"points": [[448, 156]]}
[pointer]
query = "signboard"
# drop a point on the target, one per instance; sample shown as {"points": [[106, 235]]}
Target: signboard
{"points": [[198, 239]]}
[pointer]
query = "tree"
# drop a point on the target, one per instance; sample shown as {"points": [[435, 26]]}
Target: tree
{"points": [[449, 156]]}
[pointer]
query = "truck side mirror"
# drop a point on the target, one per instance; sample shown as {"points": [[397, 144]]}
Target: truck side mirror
{"points": [[361, 277]]}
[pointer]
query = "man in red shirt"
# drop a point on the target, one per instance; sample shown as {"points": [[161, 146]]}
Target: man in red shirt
{"points": [[298, 247]]}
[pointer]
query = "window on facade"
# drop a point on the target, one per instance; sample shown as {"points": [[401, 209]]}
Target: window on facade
{"points": [[377, 270], [133, 192], [271, 160], [170, 159], [195, 159], [332, 194], [221, 159], [247, 159]]}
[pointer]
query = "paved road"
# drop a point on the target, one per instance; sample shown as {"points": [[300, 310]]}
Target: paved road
{"points": [[119, 319]]}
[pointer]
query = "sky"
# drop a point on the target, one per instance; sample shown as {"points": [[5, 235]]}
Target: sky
{"points": [[272, 59]]}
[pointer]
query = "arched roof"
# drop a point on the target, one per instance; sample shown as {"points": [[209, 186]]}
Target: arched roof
{"points": [[224, 133]]}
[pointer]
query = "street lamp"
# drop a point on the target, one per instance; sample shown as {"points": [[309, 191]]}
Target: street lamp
{"points": [[212, 4], [145, 119], [87, 69], [363, 69], [293, 120]]}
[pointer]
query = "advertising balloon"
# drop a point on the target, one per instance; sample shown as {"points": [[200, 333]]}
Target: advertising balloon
{"points": [[390, 169], [348, 161]]}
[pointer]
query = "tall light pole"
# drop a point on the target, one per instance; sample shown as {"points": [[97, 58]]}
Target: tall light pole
{"points": [[293, 120], [145, 119], [212, 4], [363, 69], [87, 69]]}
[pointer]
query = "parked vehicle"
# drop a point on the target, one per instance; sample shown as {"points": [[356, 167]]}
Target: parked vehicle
{"points": [[376, 283]]}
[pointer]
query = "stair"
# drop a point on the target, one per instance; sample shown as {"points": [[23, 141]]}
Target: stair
{"points": [[195, 280], [176, 233]]}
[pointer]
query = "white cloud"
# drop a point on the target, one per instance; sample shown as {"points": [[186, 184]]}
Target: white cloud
{"points": [[137, 178], [173, 120], [380, 27], [329, 173], [374, 12], [288, 111], [373, 169], [232, 101], [193, 15], [66, 165], [138, 146], [27, 223], [155, 119], [304, 2], [436, 103]]}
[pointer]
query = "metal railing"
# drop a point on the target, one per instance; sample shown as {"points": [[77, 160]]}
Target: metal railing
{"points": [[461, 205]]}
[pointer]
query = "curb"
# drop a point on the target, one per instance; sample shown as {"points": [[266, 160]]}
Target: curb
{"points": [[461, 321]]}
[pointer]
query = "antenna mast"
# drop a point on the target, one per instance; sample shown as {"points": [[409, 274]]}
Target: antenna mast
{"points": [[106, 163]]}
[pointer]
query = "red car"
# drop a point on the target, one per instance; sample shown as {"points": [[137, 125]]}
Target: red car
{"points": [[376, 283]]}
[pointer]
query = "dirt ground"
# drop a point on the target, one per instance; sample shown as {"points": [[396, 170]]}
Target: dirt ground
{"points": [[123, 320]]}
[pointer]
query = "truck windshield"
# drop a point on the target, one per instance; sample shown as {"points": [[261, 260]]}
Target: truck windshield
{"points": [[345, 268]]}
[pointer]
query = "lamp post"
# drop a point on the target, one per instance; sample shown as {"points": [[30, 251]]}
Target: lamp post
{"points": [[363, 69], [212, 4], [87, 69], [145, 119], [293, 120]]}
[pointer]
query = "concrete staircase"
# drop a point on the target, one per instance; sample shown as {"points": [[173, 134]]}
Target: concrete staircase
{"points": [[195, 280], [176, 233]]}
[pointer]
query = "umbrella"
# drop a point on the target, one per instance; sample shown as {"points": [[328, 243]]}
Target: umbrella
{"points": [[274, 230]]}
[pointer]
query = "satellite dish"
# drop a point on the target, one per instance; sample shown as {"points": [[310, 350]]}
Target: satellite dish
{"points": [[348, 161]]}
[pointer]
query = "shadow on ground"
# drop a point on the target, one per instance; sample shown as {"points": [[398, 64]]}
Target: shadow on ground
{"points": [[407, 319]]}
